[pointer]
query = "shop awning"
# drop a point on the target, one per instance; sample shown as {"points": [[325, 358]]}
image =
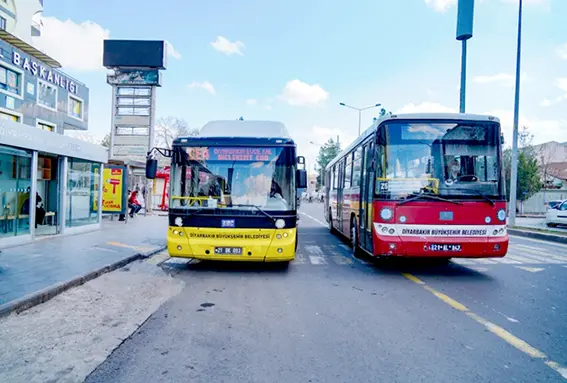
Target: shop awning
{"points": [[27, 48]]}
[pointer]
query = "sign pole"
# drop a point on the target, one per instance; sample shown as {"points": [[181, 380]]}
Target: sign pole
{"points": [[112, 123]]}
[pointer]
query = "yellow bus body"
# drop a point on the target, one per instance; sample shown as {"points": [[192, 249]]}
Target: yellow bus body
{"points": [[258, 245]]}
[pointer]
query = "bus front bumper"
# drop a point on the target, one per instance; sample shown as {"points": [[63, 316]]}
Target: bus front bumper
{"points": [[447, 247], [256, 245]]}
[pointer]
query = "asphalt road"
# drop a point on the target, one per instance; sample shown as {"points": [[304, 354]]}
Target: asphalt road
{"points": [[333, 318]]}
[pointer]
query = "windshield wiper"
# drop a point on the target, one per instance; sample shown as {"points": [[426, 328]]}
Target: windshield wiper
{"points": [[255, 206], [491, 202], [417, 196]]}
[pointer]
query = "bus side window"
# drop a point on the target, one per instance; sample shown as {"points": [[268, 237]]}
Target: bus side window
{"points": [[357, 167], [380, 159], [334, 177], [348, 171]]}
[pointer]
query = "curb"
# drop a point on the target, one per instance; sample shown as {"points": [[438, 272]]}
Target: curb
{"points": [[42, 296], [536, 235]]}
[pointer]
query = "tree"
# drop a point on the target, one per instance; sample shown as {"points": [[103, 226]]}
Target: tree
{"points": [[545, 157], [327, 152], [106, 141], [169, 128], [383, 113], [529, 181]]}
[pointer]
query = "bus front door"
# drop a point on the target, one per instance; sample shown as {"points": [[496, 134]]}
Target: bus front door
{"points": [[366, 198]]}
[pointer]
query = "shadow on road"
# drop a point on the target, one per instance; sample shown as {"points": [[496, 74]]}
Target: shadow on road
{"points": [[229, 267], [428, 268]]}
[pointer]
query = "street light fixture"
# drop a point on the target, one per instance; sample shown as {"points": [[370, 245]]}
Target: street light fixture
{"points": [[359, 111], [514, 175]]}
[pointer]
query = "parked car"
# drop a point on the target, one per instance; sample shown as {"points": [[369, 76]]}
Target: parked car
{"points": [[556, 214], [552, 204]]}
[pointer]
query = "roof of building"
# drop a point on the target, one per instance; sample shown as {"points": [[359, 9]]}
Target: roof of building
{"points": [[27, 48], [556, 169]]}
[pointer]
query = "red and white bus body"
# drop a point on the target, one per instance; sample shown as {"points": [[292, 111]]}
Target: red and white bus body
{"points": [[421, 185]]}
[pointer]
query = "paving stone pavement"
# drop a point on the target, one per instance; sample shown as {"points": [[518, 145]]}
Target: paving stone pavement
{"points": [[29, 268]]}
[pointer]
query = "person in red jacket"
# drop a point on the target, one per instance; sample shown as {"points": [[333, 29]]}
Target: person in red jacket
{"points": [[134, 204]]}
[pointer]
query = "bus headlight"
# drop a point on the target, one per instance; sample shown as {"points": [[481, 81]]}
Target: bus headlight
{"points": [[386, 214], [501, 215], [280, 223]]}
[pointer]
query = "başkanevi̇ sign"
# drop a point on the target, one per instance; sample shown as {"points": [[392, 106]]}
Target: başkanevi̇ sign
{"points": [[43, 72]]}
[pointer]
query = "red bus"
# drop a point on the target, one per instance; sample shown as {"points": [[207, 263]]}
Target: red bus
{"points": [[421, 185]]}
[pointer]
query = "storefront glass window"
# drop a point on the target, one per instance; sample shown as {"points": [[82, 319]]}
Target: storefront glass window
{"points": [[15, 185], [75, 108], [47, 95], [83, 181], [10, 81]]}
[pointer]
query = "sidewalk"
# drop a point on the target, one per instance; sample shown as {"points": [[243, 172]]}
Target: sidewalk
{"points": [[31, 268], [535, 227]]}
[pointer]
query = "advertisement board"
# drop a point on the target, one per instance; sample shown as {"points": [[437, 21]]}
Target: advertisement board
{"points": [[114, 190], [134, 77]]}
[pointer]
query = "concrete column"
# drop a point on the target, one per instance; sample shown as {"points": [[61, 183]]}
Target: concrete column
{"points": [[33, 191], [63, 172]]}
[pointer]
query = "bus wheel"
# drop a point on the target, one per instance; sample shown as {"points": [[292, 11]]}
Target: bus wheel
{"points": [[354, 237], [330, 223], [282, 265]]}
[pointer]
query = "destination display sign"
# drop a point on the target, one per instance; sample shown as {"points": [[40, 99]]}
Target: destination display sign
{"points": [[232, 154]]}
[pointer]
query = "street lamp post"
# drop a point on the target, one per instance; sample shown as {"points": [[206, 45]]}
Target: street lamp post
{"points": [[359, 111], [464, 32], [514, 175]]}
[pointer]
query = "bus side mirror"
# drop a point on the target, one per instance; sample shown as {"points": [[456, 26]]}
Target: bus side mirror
{"points": [[301, 178], [151, 168]]}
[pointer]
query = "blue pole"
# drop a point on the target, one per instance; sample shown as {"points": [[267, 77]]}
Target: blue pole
{"points": [[514, 175], [463, 77]]}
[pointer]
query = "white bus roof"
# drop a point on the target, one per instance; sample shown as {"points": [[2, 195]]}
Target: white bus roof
{"points": [[243, 128], [416, 117]]}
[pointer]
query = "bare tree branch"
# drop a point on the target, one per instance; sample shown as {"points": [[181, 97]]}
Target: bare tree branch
{"points": [[169, 128]]}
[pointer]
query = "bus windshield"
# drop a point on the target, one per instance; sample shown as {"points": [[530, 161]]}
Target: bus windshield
{"points": [[243, 178], [451, 159]]}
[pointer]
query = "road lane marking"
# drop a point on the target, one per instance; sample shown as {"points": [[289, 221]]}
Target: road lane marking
{"points": [[543, 255], [445, 298], [508, 337], [341, 259], [315, 255], [139, 248], [485, 261], [524, 259], [314, 219], [500, 332], [413, 279], [557, 367], [158, 258], [299, 258], [507, 260], [537, 256], [530, 269]]}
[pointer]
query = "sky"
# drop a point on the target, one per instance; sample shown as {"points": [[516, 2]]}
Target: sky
{"points": [[294, 61]]}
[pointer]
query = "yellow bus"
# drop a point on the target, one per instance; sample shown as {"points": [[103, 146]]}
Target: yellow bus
{"points": [[233, 192]]}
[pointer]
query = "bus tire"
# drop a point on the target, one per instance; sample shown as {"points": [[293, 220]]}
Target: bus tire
{"points": [[330, 222], [284, 265], [354, 237]]}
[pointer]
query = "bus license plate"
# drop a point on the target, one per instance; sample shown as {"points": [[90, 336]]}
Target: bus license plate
{"points": [[444, 247], [228, 250]]}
